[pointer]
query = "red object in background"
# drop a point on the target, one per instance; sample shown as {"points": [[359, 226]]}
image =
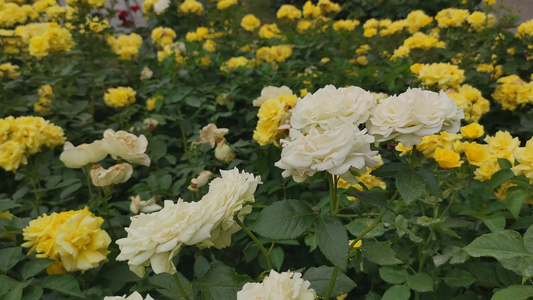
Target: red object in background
{"points": [[123, 15], [127, 22], [135, 7]]}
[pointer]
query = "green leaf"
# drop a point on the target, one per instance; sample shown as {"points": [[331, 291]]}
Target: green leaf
{"points": [[168, 285], [495, 222], [276, 257], [397, 292], [504, 163], [498, 178], [69, 190], [357, 226], [460, 278], [515, 199], [389, 170], [526, 267], [165, 181], [33, 267], [432, 185], [14, 294], [332, 240], [514, 292], [380, 253], [320, 277], [372, 198], [10, 257], [420, 282], [201, 266], [410, 185], [393, 274], [33, 292], [286, 219], [64, 283], [528, 240], [500, 245], [6, 204], [220, 283]]}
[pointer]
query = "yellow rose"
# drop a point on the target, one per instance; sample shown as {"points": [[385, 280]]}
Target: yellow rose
{"points": [[475, 153], [250, 22], [487, 169], [12, 156], [120, 96], [447, 159], [472, 131]]}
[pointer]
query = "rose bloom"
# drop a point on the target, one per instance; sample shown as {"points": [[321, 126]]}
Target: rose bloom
{"points": [[271, 92], [154, 239], [229, 195], [250, 22], [223, 152], [116, 174], [191, 7], [502, 145], [472, 131], [476, 154], [524, 155], [487, 169], [447, 159], [200, 181], [137, 205], [329, 107], [12, 156], [134, 296], [84, 154], [335, 150], [412, 115], [120, 96], [212, 135], [285, 285], [126, 146]]}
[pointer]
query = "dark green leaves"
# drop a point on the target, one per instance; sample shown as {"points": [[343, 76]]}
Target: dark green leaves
{"points": [[220, 283], [287, 219], [63, 283], [332, 240], [380, 253], [320, 277]]}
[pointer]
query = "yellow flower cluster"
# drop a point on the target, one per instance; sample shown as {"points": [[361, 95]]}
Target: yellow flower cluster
{"points": [[191, 7], [525, 30], [471, 101], [348, 25], [9, 70], [278, 53], [495, 71], [12, 14], [236, 62], [418, 40], [10, 41], [120, 96], [451, 17], [327, 6], [479, 20], [524, 156], [250, 22], [96, 24], [416, 20], [24, 136], [289, 12], [513, 92], [442, 75], [225, 4], [177, 49], [91, 3], [268, 31], [200, 34], [73, 239], [163, 36], [365, 181], [272, 114], [42, 39], [45, 99], [126, 45]]}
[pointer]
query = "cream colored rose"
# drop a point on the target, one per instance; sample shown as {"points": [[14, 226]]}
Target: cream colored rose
{"points": [[154, 239], [412, 115], [137, 205], [126, 146], [335, 151], [84, 154], [116, 174], [134, 296], [212, 135], [200, 181], [330, 107], [223, 152], [228, 196], [285, 285], [270, 92]]}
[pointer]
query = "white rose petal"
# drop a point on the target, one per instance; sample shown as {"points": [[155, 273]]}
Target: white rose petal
{"points": [[161, 5], [77, 157], [116, 174], [330, 107], [126, 146]]}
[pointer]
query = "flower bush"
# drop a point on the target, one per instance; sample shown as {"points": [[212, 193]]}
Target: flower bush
{"points": [[227, 150]]}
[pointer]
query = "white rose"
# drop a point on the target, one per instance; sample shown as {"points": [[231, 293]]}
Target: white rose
{"points": [[154, 239], [229, 195], [412, 115], [77, 157], [336, 151], [200, 181], [223, 152], [330, 107], [126, 146], [270, 92], [161, 5], [212, 135], [285, 285], [148, 206], [134, 296], [116, 174]]}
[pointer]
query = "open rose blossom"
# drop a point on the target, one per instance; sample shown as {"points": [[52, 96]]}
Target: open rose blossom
{"points": [[330, 107], [79, 156], [335, 150], [285, 285], [126, 146], [412, 115], [116, 174]]}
